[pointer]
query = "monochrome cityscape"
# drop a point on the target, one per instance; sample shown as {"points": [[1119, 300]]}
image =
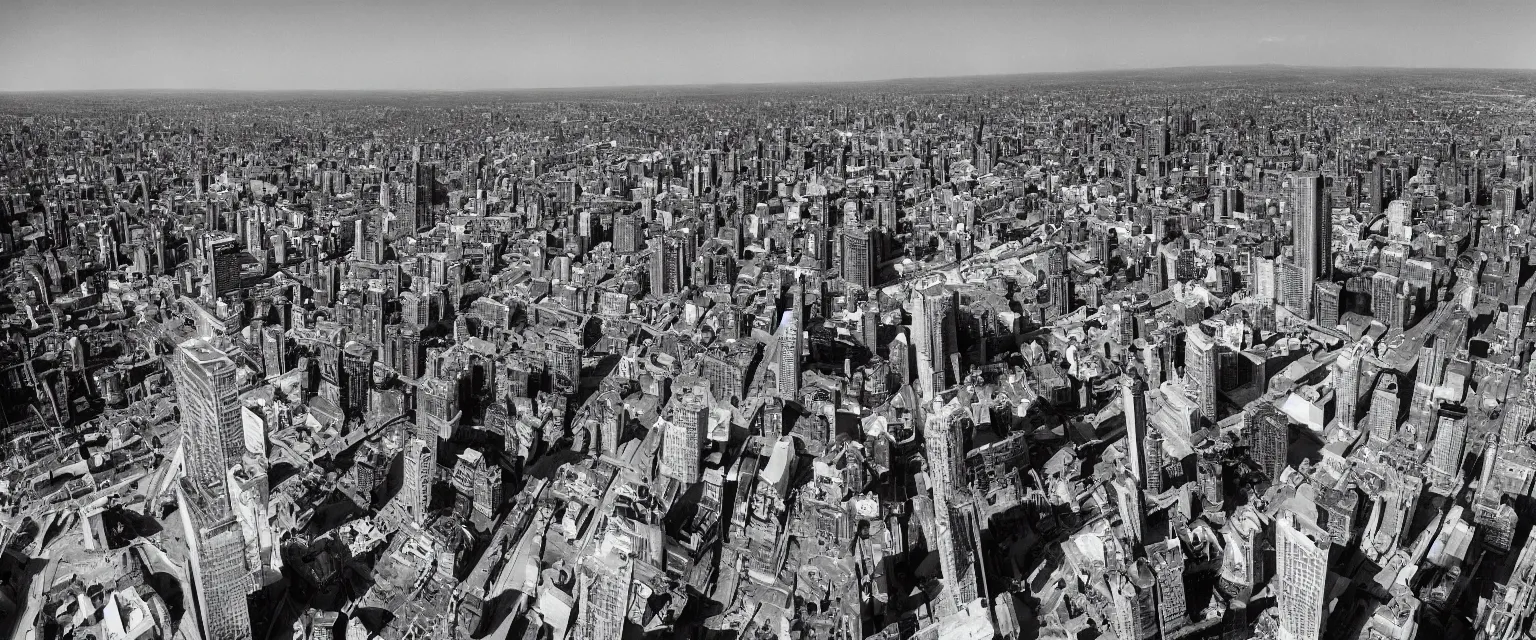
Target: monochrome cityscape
{"points": [[1225, 353]]}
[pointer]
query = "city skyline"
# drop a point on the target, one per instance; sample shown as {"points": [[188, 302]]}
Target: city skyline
{"points": [[83, 45]]}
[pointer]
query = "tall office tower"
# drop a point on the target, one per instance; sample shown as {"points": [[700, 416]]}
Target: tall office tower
{"points": [[1374, 190], [412, 364], [665, 272], [223, 265], [611, 421], [1292, 286], [420, 471], [274, 350], [1133, 509], [1431, 361], [1384, 299], [1314, 232], [858, 257], [933, 332], [1152, 447], [437, 409], [1133, 600], [790, 346], [357, 369], [215, 443], [1520, 416], [1200, 371], [1268, 438], [1450, 442], [683, 441], [1167, 560], [1243, 554], [953, 517], [209, 399], [216, 557], [1347, 383], [1060, 289], [1384, 409], [1329, 297], [562, 358], [628, 234], [1133, 395], [1301, 575], [603, 596]]}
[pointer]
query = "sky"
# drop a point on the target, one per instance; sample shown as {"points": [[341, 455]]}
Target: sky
{"points": [[511, 44]]}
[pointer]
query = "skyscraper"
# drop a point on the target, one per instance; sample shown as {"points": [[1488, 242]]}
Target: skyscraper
{"points": [[224, 265], [209, 401], [1133, 393], [604, 596], [858, 259], [683, 441], [1153, 449], [1301, 575], [1384, 409], [1200, 371], [665, 270], [1133, 511], [1347, 383], [216, 558], [933, 332], [1167, 558], [1450, 442], [1134, 603], [790, 345], [215, 444], [1268, 438], [1314, 231], [420, 471]]}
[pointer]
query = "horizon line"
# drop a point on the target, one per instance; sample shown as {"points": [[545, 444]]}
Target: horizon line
{"points": [[771, 83]]}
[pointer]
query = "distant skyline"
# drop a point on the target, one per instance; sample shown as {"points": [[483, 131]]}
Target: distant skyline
{"points": [[485, 44]]}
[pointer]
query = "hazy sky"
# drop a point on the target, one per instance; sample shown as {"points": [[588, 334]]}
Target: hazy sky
{"points": [[483, 44]]}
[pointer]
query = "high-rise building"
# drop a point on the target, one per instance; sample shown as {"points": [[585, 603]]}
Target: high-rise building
{"points": [[216, 557], [790, 346], [1384, 409], [209, 400], [1156, 458], [933, 334], [666, 270], [420, 472], [953, 515], [1167, 559], [1060, 294], [1243, 553], [1200, 373], [1384, 299], [357, 372], [1314, 231], [1268, 438], [223, 265], [1133, 600], [603, 596], [1301, 575], [1133, 395], [683, 441], [628, 234], [1450, 441], [1133, 510], [274, 350], [1347, 383], [1328, 296], [858, 257]]}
